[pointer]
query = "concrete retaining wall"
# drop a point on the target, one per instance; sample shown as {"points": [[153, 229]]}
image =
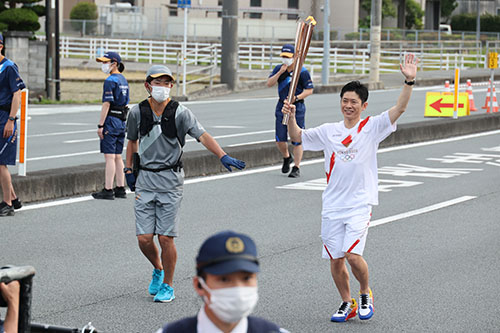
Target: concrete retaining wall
{"points": [[80, 180]]}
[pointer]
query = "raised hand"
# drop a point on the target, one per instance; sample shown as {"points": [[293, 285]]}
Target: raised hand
{"points": [[409, 66]]}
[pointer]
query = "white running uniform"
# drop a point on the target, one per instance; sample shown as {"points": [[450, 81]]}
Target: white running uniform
{"points": [[352, 179]]}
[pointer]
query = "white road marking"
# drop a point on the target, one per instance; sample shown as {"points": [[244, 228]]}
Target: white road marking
{"points": [[61, 133], [421, 210], [74, 124], [265, 169], [250, 143], [228, 126], [81, 140]]}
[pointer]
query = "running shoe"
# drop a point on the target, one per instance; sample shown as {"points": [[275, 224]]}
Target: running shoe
{"points": [[120, 192], [104, 194], [295, 172], [6, 210], [156, 282], [286, 164], [366, 306], [165, 294], [346, 311], [16, 203]]}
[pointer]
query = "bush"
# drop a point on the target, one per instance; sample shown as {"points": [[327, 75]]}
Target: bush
{"points": [[467, 22], [38, 9], [84, 11], [20, 19]]}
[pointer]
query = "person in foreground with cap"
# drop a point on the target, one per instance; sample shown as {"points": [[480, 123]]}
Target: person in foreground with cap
{"points": [[350, 149], [11, 85], [111, 126], [156, 133], [226, 279], [282, 74]]}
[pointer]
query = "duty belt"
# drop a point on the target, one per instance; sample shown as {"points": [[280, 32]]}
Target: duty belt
{"points": [[119, 112], [176, 167]]}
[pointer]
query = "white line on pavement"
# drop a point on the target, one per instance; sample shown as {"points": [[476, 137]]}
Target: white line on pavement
{"points": [[250, 143], [61, 133], [421, 210], [81, 140], [228, 126]]}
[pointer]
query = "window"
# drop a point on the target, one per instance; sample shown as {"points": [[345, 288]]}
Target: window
{"points": [[171, 10], [219, 3], [293, 4], [255, 3]]}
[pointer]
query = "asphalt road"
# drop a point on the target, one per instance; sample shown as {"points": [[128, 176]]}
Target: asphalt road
{"points": [[432, 248], [65, 135]]}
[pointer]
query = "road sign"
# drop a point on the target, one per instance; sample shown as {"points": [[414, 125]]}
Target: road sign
{"points": [[493, 60], [183, 3], [441, 104]]}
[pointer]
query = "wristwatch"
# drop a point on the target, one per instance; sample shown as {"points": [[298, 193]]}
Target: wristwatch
{"points": [[410, 83], [125, 170], [12, 118], [100, 126]]}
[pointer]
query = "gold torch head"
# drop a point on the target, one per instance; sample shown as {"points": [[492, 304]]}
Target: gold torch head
{"points": [[310, 20]]}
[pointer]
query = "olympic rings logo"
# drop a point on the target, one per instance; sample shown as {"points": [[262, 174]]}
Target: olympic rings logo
{"points": [[348, 157]]}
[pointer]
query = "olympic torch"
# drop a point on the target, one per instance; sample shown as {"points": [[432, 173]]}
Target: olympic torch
{"points": [[302, 41]]}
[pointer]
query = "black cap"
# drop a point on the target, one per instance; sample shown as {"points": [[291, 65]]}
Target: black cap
{"points": [[227, 252]]}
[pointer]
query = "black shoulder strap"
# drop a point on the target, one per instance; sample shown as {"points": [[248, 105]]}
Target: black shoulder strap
{"points": [[147, 120], [186, 325], [168, 120], [259, 325]]}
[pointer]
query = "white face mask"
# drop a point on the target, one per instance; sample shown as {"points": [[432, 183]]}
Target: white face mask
{"points": [[106, 68], [231, 304], [160, 94], [287, 61]]}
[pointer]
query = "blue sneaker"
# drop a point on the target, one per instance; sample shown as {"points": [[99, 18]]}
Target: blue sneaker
{"points": [[346, 311], [366, 306], [156, 282], [165, 294]]}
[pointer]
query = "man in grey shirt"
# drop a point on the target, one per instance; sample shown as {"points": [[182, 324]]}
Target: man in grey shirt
{"points": [[156, 130]]}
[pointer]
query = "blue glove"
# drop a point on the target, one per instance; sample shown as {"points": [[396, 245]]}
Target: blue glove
{"points": [[130, 181], [228, 161]]}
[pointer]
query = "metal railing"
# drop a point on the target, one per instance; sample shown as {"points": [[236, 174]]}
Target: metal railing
{"points": [[345, 57]]}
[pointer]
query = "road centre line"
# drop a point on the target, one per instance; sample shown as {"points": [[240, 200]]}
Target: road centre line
{"points": [[61, 133], [250, 143], [81, 140], [420, 211]]}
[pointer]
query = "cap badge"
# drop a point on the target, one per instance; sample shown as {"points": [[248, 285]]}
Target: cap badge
{"points": [[235, 245]]}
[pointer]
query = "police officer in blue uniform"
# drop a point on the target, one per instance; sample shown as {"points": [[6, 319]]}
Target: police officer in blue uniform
{"points": [[111, 126], [11, 85], [282, 74], [226, 279]]}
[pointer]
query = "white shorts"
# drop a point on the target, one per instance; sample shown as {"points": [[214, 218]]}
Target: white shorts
{"points": [[345, 231]]}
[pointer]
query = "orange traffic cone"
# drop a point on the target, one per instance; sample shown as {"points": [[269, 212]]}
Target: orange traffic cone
{"points": [[447, 86], [495, 103], [488, 94], [472, 106]]}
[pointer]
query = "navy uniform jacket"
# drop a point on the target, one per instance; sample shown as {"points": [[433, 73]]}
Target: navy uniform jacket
{"points": [[188, 325]]}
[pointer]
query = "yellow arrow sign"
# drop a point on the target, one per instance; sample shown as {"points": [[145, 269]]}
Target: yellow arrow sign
{"points": [[441, 104]]}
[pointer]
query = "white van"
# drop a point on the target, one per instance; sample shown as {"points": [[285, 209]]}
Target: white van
{"points": [[445, 28]]}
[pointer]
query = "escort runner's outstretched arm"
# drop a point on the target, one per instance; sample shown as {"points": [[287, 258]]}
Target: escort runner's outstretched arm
{"points": [[409, 70], [227, 161]]}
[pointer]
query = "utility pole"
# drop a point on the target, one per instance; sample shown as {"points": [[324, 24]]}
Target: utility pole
{"points": [[325, 71], [52, 58], [376, 29], [478, 22], [229, 61]]}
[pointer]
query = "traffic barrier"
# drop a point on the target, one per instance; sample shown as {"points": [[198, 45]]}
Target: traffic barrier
{"points": [[23, 133], [495, 103], [491, 104], [472, 106]]}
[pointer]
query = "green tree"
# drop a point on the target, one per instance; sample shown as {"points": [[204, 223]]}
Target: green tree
{"points": [[22, 19], [447, 8], [388, 10], [83, 16], [414, 15]]}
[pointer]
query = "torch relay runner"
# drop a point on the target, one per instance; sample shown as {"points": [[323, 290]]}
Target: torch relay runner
{"points": [[350, 148]]}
